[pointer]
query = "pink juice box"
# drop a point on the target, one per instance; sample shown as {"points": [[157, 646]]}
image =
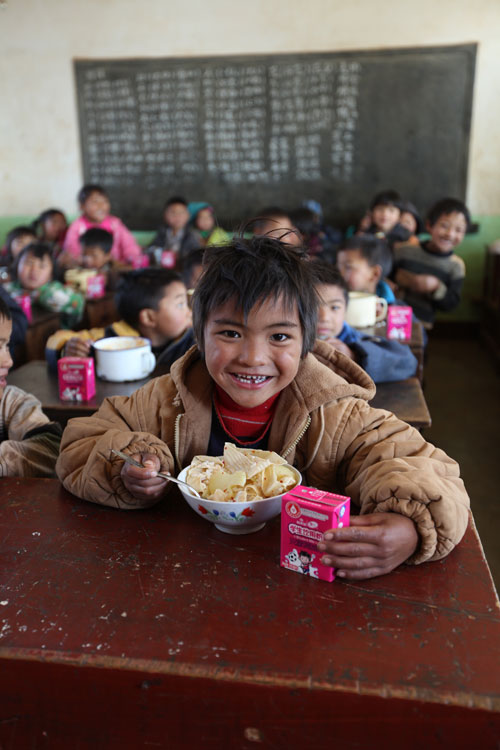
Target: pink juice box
{"points": [[24, 302], [96, 286], [306, 513], [399, 322], [76, 378]]}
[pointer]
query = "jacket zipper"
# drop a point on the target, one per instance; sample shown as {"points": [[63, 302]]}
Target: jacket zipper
{"points": [[298, 438], [176, 439]]}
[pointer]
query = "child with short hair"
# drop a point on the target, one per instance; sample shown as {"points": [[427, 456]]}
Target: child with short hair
{"points": [[383, 218], [364, 262], [29, 442], [16, 240], [384, 361], [95, 207], [33, 275], [410, 219], [52, 227], [96, 247], [256, 381], [173, 240], [430, 275], [152, 303]]}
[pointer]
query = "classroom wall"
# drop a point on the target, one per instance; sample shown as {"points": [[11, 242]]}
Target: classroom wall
{"points": [[39, 147]]}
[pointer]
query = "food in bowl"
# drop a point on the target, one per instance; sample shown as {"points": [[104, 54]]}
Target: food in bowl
{"points": [[241, 475]]}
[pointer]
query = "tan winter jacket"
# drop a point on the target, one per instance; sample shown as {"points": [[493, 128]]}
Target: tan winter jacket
{"points": [[323, 425], [29, 442]]}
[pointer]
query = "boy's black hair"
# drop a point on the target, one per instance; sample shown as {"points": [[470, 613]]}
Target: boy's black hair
{"points": [[95, 237], [15, 233], [175, 199], [375, 250], [141, 289], [305, 553], [386, 198], [409, 208], [191, 260], [325, 273], [37, 250], [447, 206], [87, 190], [250, 271], [5, 313]]}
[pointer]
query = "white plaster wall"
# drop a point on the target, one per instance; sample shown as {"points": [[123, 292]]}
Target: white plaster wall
{"points": [[39, 142]]}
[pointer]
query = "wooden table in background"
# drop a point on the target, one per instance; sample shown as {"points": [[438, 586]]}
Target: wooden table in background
{"points": [[132, 629], [404, 398], [101, 312]]}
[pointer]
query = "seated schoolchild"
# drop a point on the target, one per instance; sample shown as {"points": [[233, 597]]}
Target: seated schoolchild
{"points": [[29, 442], [16, 240], [95, 207], [52, 228], [152, 303], [96, 247], [203, 223], [430, 275], [411, 220], [383, 360], [33, 275], [258, 379], [174, 239], [273, 221], [383, 217], [331, 236], [364, 262]]}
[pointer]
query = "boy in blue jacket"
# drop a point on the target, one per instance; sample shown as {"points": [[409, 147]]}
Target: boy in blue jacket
{"points": [[383, 360]]}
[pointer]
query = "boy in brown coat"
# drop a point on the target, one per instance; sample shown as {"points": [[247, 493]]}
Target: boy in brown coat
{"points": [[259, 380]]}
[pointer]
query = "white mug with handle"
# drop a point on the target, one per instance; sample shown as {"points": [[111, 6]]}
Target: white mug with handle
{"points": [[362, 309]]}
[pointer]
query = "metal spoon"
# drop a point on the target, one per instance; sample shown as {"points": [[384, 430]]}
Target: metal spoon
{"points": [[170, 478]]}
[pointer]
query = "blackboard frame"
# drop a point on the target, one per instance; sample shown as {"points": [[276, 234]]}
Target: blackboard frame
{"points": [[429, 137]]}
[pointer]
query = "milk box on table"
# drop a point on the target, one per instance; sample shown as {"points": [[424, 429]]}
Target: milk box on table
{"points": [[306, 513], [399, 322], [76, 378]]}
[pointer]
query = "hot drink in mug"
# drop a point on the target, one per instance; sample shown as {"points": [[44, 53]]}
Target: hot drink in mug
{"points": [[122, 358], [362, 309]]}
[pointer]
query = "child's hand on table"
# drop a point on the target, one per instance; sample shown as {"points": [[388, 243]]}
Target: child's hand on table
{"points": [[143, 483], [340, 346], [77, 347], [373, 545]]}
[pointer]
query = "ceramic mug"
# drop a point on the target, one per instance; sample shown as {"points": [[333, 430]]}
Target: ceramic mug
{"points": [[362, 309], [123, 358]]}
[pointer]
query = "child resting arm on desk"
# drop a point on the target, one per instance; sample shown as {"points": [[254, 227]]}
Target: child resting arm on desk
{"points": [[29, 443], [258, 379]]}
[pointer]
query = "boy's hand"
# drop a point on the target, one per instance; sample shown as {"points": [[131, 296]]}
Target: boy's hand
{"points": [[143, 483], [372, 545], [422, 283], [340, 347], [76, 347]]}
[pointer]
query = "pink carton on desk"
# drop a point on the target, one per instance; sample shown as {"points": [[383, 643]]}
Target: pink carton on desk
{"points": [[76, 378], [399, 322], [306, 513], [24, 302], [96, 286]]}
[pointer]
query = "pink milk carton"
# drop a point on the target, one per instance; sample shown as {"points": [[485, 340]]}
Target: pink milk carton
{"points": [[96, 286], [306, 513], [141, 262], [399, 322], [76, 378], [168, 259], [24, 302]]}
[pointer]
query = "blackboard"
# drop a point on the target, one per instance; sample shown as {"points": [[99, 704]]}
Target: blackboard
{"points": [[243, 132]]}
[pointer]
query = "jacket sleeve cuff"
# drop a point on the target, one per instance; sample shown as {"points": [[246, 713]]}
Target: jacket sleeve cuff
{"points": [[429, 543]]}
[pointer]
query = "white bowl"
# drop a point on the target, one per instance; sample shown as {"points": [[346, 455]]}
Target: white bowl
{"points": [[236, 518]]}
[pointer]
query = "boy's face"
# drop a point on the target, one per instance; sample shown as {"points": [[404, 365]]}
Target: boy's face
{"points": [[385, 218], [176, 216], [96, 207], [331, 312], [408, 221], [34, 272], [255, 359], [359, 275], [173, 315], [447, 232], [5, 358], [20, 243], [94, 257]]}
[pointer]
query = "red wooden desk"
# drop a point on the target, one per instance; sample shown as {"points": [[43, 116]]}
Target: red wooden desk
{"points": [[151, 628], [404, 398]]}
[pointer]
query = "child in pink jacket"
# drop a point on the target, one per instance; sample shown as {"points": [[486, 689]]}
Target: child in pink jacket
{"points": [[95, 208]]}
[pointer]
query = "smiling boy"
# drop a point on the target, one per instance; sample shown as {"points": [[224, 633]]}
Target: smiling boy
{"points": [[430, 275], [258, 378]]}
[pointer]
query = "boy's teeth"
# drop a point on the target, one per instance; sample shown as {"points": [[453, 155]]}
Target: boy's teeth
{"points": [[251, 378]]}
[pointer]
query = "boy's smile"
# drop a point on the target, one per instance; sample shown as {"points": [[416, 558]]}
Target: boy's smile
{"points": [[255, 359]]}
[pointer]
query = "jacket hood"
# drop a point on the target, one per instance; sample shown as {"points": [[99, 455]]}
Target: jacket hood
{"points": [[324, 375]]}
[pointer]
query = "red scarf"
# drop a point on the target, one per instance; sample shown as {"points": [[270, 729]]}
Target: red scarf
{"points": [[251, 424]]}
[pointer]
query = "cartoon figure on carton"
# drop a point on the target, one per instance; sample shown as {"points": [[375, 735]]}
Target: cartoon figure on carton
{"points": [[72, 394], [293, 559], [305, 561]]}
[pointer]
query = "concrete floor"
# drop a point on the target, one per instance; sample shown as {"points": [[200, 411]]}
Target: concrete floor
{"points": [[462, 389]]}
